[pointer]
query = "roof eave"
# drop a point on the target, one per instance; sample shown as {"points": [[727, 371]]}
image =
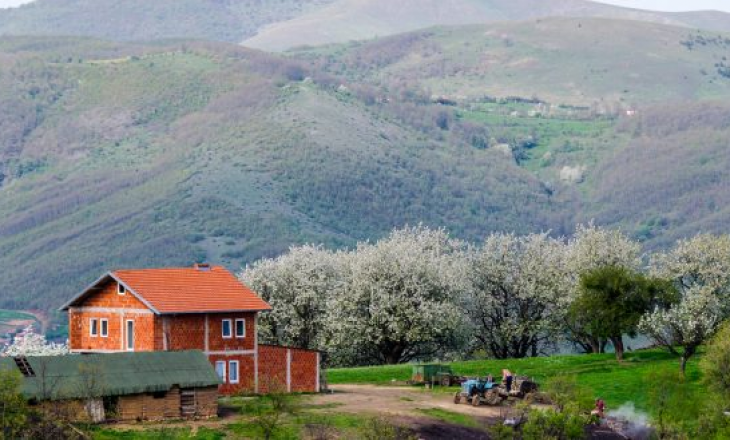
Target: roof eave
{"points": [[197, 312], [83, 293]]}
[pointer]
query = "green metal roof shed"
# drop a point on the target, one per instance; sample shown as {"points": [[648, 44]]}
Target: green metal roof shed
{"points": [[113, 374]]}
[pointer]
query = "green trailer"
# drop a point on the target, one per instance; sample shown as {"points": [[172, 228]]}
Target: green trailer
{"points": [[430, 373]]}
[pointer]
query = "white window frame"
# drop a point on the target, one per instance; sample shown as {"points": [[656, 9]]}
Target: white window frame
{"points": [[121, 289], [244, 328], [222, 376], [93, 321], [104, 324], [233, 366], [230, 329]]}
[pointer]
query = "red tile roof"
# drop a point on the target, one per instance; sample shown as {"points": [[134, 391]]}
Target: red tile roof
{"points": [[182, 290], [191, 290]]}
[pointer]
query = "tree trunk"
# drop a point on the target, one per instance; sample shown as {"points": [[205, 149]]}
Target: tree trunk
{"points": [[595, 346], [618, 347], [683, 365], [604, 342]]}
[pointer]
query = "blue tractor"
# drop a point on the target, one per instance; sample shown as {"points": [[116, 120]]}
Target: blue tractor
{"points": [[478, 391]]}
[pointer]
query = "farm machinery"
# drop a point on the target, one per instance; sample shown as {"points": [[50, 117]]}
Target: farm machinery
{"points": [[480, 391]]}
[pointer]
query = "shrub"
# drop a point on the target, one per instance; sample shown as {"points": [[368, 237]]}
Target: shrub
{"points": [[552, 424]]}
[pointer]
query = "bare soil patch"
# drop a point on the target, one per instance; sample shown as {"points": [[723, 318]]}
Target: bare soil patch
{"points": [[404, 401]]}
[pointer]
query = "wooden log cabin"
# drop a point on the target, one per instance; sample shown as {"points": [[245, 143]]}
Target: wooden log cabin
{"points": [[201, 307]]}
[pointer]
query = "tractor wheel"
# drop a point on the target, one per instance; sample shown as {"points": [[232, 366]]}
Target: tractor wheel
{"points": [[475, 401], [493, 398], [457, 398]]}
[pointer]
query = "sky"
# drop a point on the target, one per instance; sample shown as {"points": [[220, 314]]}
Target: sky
{"points": [[11, 3], [672, 5], [659, 5]]}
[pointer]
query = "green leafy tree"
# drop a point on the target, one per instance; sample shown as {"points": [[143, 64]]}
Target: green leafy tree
{"points": [[612, 300], [13, 410], [566, 393], [715, 364], [552, 424], [675, 407]]}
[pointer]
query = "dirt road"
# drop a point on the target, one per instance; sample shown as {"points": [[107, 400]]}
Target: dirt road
{"points": [[404, 404], [404, 401]]}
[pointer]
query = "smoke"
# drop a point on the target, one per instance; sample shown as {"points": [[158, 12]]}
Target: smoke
{"points": [[630, 422]]}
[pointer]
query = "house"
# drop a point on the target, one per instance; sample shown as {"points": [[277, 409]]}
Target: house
{"points": [[121, 386], [195, 308]]}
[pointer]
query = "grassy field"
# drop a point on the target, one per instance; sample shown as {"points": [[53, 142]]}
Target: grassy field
{"points": [[10, 320], [615, 383]]}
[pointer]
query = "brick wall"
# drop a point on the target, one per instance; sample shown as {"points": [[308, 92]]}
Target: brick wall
{"points": [[80, 337], [304, 371], [246, 373], [302, 368], [218, 343], [116, 310], [185, 332], [108, 297]]}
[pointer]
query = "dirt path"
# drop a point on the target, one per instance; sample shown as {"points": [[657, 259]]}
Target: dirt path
{"points": [[403, 404], [404, 401]]}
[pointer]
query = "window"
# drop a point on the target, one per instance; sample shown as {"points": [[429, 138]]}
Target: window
{"points": [[130, 335], [121, 289], [94, 327], [233, 371], [220, 369], [104, 328], [240, 328], [226, 328]]}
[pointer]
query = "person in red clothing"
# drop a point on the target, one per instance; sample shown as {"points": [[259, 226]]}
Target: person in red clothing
{"points": [[600, 408]]}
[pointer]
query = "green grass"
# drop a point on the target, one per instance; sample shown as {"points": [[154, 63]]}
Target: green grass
{"points": [[615, 383], [100, 433], [11, 315]]}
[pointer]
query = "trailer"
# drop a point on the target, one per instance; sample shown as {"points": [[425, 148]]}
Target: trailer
{"points": [[432, 374]]}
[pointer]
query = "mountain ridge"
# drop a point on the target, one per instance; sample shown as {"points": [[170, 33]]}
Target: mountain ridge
{"points": [[347, 20], [288, 23]]}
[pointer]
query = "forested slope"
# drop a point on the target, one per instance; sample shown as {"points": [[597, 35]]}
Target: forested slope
{"points": [[227, 20], [127, 156]]}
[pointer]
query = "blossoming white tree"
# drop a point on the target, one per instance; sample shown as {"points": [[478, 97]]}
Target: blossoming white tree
{"points": [[398, 299], [298, 286], [29, 343], [700, 269], [517, 294]]}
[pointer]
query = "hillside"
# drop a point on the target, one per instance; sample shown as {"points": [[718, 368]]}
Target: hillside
{"points": [[126, 156], [581, 62], [229, 20], [347, 20], [283, 24], [656, 172]]}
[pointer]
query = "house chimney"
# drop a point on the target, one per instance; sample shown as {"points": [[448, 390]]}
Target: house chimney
{"points": [[203, 267]]}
